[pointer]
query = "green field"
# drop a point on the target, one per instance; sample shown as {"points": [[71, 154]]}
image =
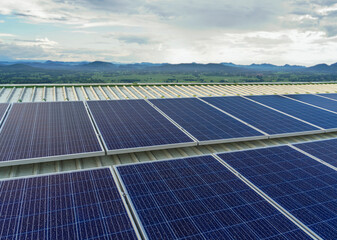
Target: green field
{"points": [[58, 76]]}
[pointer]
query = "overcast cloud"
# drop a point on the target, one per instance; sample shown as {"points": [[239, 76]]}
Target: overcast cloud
{"points": [[242, 31]]}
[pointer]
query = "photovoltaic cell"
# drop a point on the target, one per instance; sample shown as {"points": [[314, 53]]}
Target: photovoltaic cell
{"points": [[304, 187], [44, 130], [3, 108], [319, 117], [199, 198], [316, 100], [329, 95], [325, 150], [204, 122], [77, 205], [130, 124], [263, 118]]}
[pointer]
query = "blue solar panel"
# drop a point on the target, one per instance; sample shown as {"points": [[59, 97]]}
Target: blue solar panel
{"points": [[329, 95], [199, 198], [3, 108], [316, 100], [204, 122], [313, 115], [78, 205], [45, 130], [325, 150], [131, 124], [263, 118], [301, 185]]}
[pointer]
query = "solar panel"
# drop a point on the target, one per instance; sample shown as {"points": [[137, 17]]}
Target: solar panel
{"points": [[134, 125], [205, 123], [325, 150], [77, 205], [313, 115], [35, 132], [199, 198], [316, 100], [303, 186], [329, 95], [263, 118], [3, 109]]}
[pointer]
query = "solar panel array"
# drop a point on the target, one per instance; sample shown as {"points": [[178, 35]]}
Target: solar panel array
{"points": [[204, 122], [77, 205], [313, 115], [325, 150], [3, 108], [189, 198], [304, 187], [63, 130], [132, 124], [198, 198], [316, 100], [265, 119], [44, 130]]}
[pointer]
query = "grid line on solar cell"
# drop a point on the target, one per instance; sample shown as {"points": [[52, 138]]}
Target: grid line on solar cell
{"points": [[301, 185], [329, 95], [302, 111], [198, 198], [202, 121], [40, 130], [315, 100], [77, 205], [129, 124], [268, 120], [3, 108], [325, 150]]}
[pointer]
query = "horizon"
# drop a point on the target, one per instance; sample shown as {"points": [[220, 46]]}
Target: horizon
{"points": [[126, 63], [242, 32]]}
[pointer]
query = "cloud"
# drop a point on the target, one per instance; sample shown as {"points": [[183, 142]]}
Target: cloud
{"points": [[6, 35], [175, 30], [15, 51], [83, 31], [134, 39], [94, 13], [239, 15], [39, 48], [140, 39], [40, 42], [267, 42]]}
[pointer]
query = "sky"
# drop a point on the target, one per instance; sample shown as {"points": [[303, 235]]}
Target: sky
{"points": [[297, 32]]}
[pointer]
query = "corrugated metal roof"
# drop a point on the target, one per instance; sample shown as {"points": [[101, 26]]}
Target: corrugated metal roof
{"points": [[82, 92], [75, 92]]}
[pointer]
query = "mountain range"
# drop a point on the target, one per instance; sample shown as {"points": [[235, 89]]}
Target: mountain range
{"points": [[165, 67]]}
